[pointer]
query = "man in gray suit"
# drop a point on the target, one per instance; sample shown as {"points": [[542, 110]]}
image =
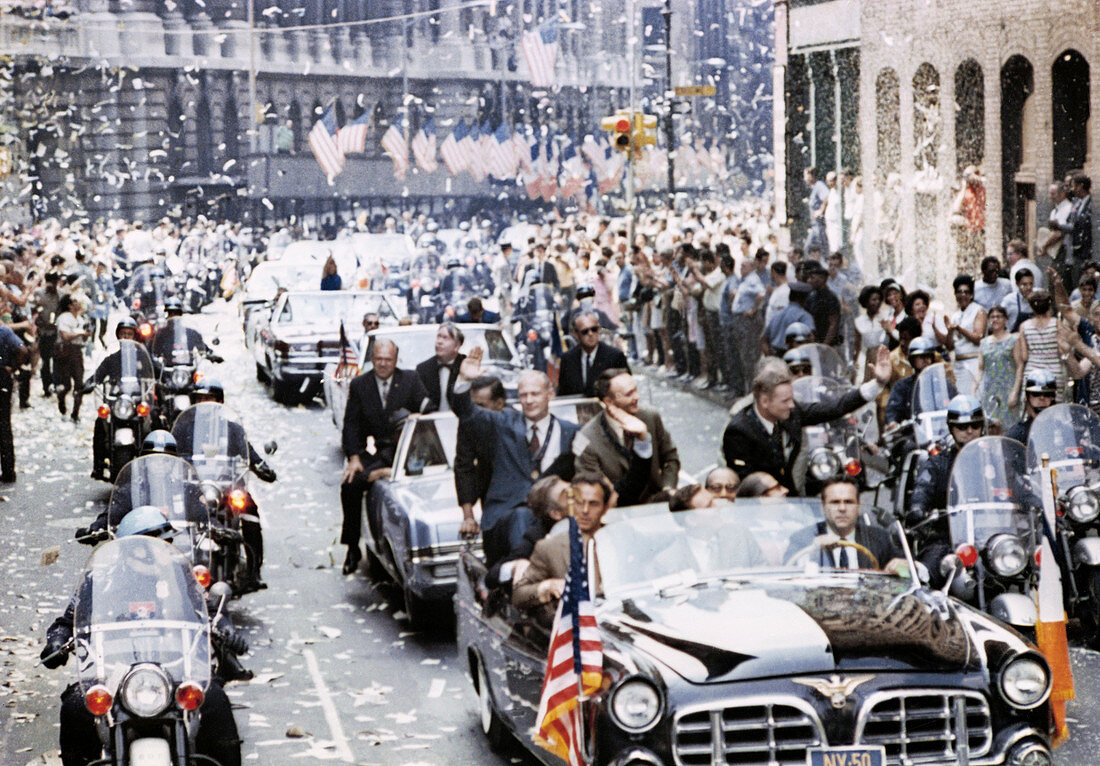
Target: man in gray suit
{"points": [[530, 444], [608, 442]]}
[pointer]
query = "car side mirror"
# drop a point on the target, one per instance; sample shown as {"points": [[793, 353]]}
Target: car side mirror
{"points": [[271, 447]]}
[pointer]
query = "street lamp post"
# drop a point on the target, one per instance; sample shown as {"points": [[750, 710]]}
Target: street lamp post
{"points": [[667, 13]]}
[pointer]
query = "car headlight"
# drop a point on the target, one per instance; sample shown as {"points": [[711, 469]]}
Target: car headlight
{"points": [[145, 691], [1082, 505], [123, 408], [181, 377], [1025, 682], [824, 463], [1006, 555], [635, 705]]}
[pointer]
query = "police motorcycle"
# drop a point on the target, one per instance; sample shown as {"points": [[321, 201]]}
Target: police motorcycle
{"points": [[125, 405], [210, 437], [823, 361], [141, 633], [1068, 436], [535, 323], [843, 447], [423, 295], [178, 349], [926, 430], [147, 294], [993, 531], [456, 288]]}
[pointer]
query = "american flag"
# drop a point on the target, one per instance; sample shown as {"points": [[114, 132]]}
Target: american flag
{"points": [[502, 155], [521, 146], [572, 172], [451, 153], [348, 366], [471, 152], [352, 138], [532, 176], [322, 141], [574, 664], [423, 146], [540, 50], [395, 145]]}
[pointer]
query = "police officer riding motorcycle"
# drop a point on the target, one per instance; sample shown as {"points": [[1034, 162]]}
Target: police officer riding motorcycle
{"points": [[178, 350], [139, 626], [125, 390]]}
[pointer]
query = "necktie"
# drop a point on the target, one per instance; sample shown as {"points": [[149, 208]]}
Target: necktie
{"points": [[587, 368], [385, 392], [777, 441], [534, 444]]}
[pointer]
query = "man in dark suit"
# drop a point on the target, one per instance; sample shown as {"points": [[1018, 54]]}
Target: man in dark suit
{"points": [[582, 364], [528, 444], [476, 313], [474, 446], [439, 373], [609, 441], [840, 502], [376, 401], [768, 435]]}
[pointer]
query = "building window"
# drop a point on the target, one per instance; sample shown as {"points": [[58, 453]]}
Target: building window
{"points": [[1070, 111], [888, 120], [969, 115], [926, 118], [1017, 145]]}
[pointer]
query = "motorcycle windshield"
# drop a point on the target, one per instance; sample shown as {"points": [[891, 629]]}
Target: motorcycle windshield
{"points": [[171, 485], [212, 439], [809, 390], [539, 298], [937, 385], [989, 492], [825, 361], [127, 371], [1069, 435], [174, 345], [138, 603]]}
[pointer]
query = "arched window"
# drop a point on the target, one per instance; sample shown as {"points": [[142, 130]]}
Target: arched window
{"points": [[888, 120], [1017, 114], [294, 114], [204, 135], [1070, 111], [232, 129], [926, 117], [969, 115]]}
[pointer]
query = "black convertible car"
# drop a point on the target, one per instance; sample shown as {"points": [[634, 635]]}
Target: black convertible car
{"points": [[723, 644]]}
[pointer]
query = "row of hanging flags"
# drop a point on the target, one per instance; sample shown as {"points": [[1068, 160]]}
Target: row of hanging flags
{"points": [[548, 167]]}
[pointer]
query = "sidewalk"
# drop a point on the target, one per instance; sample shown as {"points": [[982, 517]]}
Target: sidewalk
{"points": [[710, 394]]}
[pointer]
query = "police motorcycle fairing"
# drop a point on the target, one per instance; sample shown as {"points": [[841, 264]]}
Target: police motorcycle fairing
{"points": [[125, 403], [841, 447], [1067, 436], [535, 323], [993, 531]]}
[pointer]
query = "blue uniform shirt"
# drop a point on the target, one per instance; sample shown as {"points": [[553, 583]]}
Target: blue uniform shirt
{"points": [[9, 346]]}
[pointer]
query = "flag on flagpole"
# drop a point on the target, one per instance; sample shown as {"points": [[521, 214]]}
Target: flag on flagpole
{"points": [[1050, 629], [322, 142], [502, 155], [450, 151], [540, 51], [398, 148], [574, 663], [352, 138], [348, 366], [423, 146], [486, 145], [471, 151]]}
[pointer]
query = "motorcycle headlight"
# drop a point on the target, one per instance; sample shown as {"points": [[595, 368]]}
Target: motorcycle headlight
{"points": [[181, 377], [1025, 682], [145, 691], [1082, 505], [211, 495], [123, 408], [635, 705], [824, 463], [1006, 555]]}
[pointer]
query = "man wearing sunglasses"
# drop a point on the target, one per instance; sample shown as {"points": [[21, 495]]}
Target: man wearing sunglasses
{"points": [[1040, 388], [965, 422], [581, 365]]}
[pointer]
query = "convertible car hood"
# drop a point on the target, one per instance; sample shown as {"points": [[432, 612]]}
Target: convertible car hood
{"points": [[763, 628], [312, 331]]}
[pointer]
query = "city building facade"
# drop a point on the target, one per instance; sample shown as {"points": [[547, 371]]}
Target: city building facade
{"points": [[909, 93]]}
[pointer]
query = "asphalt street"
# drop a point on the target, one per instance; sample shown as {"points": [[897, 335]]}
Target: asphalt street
{"points": [[338, 676]]}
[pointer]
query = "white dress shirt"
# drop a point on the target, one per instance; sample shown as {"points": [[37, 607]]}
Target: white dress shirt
{"points": [[444, 379], [547, 429], [384, 387]]}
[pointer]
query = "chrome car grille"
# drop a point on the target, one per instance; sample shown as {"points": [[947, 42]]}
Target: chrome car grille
{"points": [[921, 725], [769, 732]]}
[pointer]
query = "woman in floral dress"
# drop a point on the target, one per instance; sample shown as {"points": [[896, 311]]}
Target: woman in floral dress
{"points": [[997, 369]]}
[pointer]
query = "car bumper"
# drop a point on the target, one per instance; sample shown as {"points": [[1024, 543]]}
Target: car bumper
{"points": [[432, 573]]}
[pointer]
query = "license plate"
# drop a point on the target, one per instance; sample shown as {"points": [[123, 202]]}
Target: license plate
{"points": [[846, 756]]}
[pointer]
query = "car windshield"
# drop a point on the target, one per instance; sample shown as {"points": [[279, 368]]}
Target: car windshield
{"points": [[269, 277], [321, 307], [651, 547]]}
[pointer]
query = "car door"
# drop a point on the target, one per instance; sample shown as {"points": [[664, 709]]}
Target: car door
{"points": [[524, 654]]}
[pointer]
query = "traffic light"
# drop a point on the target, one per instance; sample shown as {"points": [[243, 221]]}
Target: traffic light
{"points": [[618, 126], [645, 126]]}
